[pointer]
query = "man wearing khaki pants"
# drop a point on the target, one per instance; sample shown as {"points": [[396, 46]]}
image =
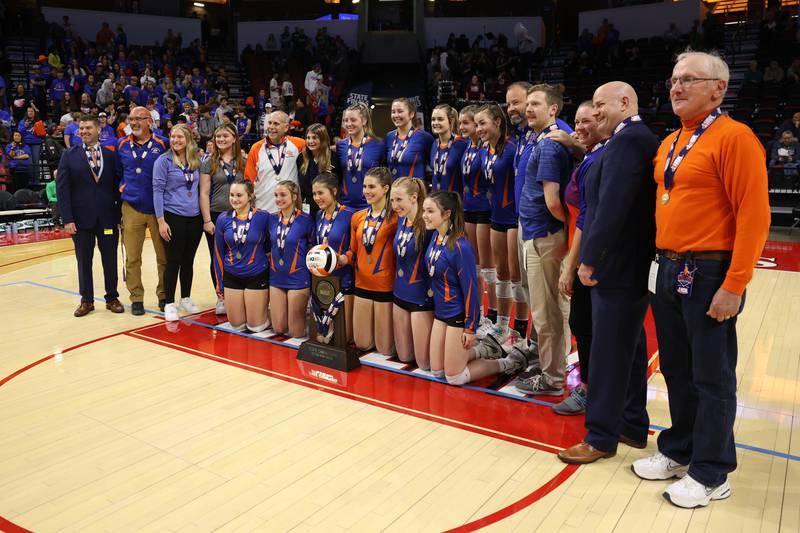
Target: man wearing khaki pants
{"points": [[136, 154]]}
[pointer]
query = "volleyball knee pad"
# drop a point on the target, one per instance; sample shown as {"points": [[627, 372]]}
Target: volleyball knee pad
{"points": [[462, 378], [489, 275], [240, 327], [503, 289], [438, 373], [257, 329], [520, 294]]}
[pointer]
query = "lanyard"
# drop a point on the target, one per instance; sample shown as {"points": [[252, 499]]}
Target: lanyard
{"points": [[440, 160], [488, 165], [370, 233], [146, 149], [188, 175], [523, 144], [355, 163], [548, 129], [404, 238], [435, 252], [281, 156], [283, 231], [399, 147], [325, 226], [240, 231], [469, 157], [324, 318], [670, 166], [625, 123], [228, 169]]}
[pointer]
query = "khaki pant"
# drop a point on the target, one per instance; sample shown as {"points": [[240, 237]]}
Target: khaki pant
{"points": [[543, 258], [134, 226]]}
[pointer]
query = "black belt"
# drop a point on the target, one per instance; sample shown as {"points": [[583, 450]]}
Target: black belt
{"points": [[721, 255]]}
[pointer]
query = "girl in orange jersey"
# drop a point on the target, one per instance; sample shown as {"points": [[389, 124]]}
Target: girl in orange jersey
{"points": [[371, 253]]}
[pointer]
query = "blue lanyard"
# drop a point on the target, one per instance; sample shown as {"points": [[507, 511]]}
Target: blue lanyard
{"points": [[670, 166]]}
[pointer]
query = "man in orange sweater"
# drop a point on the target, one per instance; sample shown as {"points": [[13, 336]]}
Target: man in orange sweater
{"points": [[712, 219]]}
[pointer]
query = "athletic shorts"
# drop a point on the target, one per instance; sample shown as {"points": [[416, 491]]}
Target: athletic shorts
{"points": [[503, 227], [456, 321], [412, 308], [478, 217], [375, 296], [259, 282]]}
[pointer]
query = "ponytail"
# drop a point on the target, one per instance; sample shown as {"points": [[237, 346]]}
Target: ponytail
{"points": [[415, 186], [366, 113]]}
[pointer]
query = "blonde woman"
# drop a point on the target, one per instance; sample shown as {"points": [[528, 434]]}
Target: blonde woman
{"points": [[176, 179]]}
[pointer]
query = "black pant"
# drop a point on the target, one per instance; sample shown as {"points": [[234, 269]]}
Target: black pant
{"points": [[84, 241], [580, 323], [210, 242], [698, 359], [181, 249], [618, 377]]}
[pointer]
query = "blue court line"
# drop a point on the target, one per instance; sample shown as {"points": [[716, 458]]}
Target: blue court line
{"points": [[56, 276], [74, 293], [748, 447]]}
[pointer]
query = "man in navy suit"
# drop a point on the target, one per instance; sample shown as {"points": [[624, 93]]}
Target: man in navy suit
{"points": [[617, 247], [87, 186]]}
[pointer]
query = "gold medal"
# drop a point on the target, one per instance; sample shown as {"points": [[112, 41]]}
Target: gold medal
{"points": [[400, 273], [280, 261], [138, 170], [238, 255], [665, 198], [190, 194], [430, 293]]}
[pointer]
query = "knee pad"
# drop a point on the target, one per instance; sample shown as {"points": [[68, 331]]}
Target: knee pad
{"points": [[503, 289], [489, 275], [520, 294], [438, 373], [257, 329], [240, 327], [462, 378]]}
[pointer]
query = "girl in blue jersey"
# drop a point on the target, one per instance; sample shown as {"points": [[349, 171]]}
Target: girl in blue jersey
{"points": [[478, 215], [450, 261], [406, 148], [357, 153], [241, 243], [497, 163], [291, 233], [412, 314], [243, 124], [333, 228], [447, 150]]}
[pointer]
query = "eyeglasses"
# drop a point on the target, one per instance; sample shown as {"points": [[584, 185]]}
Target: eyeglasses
{"points": [[686, 81], [137, 119]]}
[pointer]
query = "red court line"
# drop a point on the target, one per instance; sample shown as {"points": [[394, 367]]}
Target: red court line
{"points": [[34, 257], [11, 527]]}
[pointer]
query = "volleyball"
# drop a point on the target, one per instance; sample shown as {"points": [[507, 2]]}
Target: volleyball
{"points": [[321, 260]]}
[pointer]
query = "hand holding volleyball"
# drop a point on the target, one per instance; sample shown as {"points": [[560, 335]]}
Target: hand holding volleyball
{"points": [[321, 260]]}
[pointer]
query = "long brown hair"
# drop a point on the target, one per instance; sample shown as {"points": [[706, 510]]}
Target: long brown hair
{"points": [[237, 150], [324, 163], [413, 186], [294, 190], [496, 113], [450, 201]]}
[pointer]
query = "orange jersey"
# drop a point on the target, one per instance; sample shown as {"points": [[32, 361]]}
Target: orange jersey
{"points": [[719, 198], [375, 271]]}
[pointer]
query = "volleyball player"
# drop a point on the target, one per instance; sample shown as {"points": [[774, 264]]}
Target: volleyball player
{"points": [[412, 314], [241, 243], [406, 147], [372, 256], [447, 150], [333, 228], [291, 233], [450, 261], [217, 172], [357, 153], [497, 163], [477, 216]]}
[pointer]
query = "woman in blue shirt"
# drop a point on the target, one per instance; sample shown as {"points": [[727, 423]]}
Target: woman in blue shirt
{"points": [[19, 161], [33, 134], [406, 148], [357, 153], [176, 179], [447, 150]]}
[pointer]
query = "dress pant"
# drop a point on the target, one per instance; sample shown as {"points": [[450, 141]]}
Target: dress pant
{"points": [[84, 240], [698, 360], [533, 336], [580, 322], [186, 233], [134, 227], [617, 399]]}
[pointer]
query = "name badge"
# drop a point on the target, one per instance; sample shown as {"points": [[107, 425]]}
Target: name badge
{"points": [[685, 280], [651, 279], [108, 232]]}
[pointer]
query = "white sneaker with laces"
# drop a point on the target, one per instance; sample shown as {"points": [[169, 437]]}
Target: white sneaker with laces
{"points": [[484, 327], [658, 466], [188, 305], [515, 341], [171, 313], [487, 351], [689, 493], [220, 307]]}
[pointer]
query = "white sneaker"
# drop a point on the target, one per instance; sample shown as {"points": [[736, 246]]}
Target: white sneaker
{"points": [[689, 493], [484, 327], [171, 313], [515, 341], [188, 305], [220, 308], [487, 351], [658, 466]]}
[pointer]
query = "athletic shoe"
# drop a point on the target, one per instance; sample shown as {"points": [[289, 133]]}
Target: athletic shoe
{"points": [[538, 386], [658, 466], [188, 305], [518, 360], [514, 341], [689, 493], [485, 350], [137, 308], [484, 327], [171, 313], [575, 404], [220, 308]]}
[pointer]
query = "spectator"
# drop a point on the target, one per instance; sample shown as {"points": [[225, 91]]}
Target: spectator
{"points": [[104, 37], [301, 118], [19, 161], [313, 78], [33, 133], [20, 103], [275, 90], [785, 152], [206, 125], [262, 120], [287, 89], [774, 73], [752, 75], [105, 95], [792, 125], [474, 89], [223, 109], [58, 88]]}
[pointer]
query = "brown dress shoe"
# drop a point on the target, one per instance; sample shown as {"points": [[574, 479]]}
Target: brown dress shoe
{"points": [[84, 309], [583, 453], [639, 445], [115, 306]]}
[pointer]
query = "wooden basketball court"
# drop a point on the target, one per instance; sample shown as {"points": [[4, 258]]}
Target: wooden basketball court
{"points": [[122, 423]]}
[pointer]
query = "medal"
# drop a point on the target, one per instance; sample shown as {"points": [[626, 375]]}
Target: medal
{"points": [[369, 259], [670, 166], [394, 171], [400, 273], [281, 156], [430, 293], [354, 179], [665, 198], [240, 231], [138, 170], [190, 194], [280, 261], [238, 255]]}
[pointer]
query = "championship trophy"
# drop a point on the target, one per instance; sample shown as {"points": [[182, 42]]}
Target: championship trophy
{"points": [[327, 340]]}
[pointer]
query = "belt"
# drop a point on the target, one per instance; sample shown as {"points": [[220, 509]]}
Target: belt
{"points": [[722, 255]]}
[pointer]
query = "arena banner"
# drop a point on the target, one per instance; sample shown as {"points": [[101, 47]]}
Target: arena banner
{"points": [[360, 93]]}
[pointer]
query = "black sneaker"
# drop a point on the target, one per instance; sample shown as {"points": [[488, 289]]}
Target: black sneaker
{"points": [[137, 308], [162, 304]]}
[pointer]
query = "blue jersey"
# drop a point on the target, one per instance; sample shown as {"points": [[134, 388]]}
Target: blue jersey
{"points": [[476, 187], [242, 259], [499, 171], [411, 280], [454, 281], [58, 87], [354, 162], [135, 166], [241, 125], [338, 238], [446, 163], [108, 138], [72, 131], [288, 255], [407, 156]]}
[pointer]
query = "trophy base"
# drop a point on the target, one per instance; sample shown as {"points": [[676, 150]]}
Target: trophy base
{"points": [[344, 359]]}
